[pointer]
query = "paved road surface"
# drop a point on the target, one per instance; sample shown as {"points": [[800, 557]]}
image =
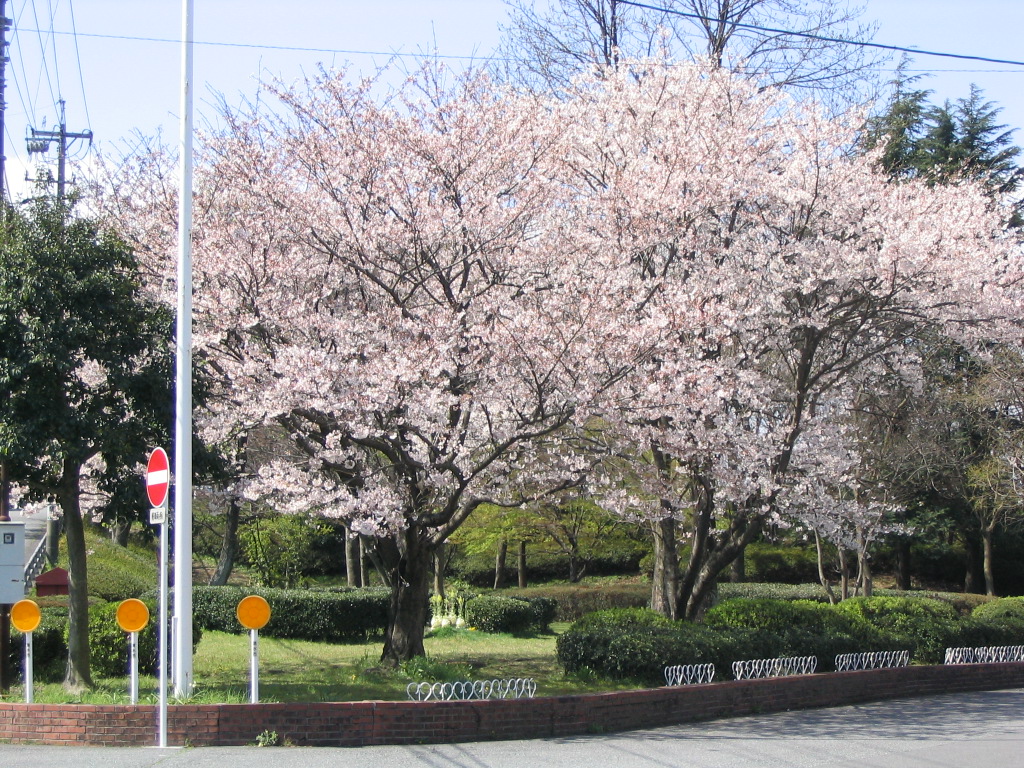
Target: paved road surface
{"points": [[956, 731]]}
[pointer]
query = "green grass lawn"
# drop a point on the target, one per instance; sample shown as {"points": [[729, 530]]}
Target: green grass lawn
{"points": [[298, 670]]}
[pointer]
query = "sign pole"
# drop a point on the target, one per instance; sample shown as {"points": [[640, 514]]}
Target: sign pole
{"points": [[254, 666], [25, 615], [158, 481], [29, 682], [162, 639]]}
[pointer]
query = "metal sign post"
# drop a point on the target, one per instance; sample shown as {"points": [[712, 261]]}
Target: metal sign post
{"points": [[25, 615], [157, 485], [253, 613], [133, 616]]}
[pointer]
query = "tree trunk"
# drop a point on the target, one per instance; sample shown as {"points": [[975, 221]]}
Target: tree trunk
{"points": [[228, 545], [521, 563], [738, 569], [903, 563], [499, 564], [701, 595], [986, 543], [364, 565], [974, 578], [120, 532], [844, 569], [408, 560], [77, 676], [439, 564], [820, 549], [864, 568], [352, 570], [665, 580]]}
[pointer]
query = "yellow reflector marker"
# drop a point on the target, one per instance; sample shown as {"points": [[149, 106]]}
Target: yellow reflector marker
{"points": [[132, 615], [25, 615], [253, 612]]}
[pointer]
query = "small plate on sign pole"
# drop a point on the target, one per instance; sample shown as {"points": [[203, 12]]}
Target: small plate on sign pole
{"points": [[157, 515]]}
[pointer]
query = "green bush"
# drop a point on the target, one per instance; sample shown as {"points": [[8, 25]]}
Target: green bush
{"points": [[108, 643], [637, 644], [573, 601], [1003, 608], [753, 590], [49, 647], [338, 615], [801, 628], [778, 564], [924, 625], [497, 613]]}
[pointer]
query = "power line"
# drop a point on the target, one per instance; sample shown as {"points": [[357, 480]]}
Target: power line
{"points": [[499, 59], [78, 59], [295, 48], [822, 38]]}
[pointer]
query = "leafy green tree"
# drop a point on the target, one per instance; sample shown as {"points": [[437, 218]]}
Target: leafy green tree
{"points": [[85, 366]]}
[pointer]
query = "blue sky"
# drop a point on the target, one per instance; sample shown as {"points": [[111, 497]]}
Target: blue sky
{"points": [[119, 75]]}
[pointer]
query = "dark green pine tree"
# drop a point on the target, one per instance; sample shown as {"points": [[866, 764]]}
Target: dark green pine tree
{"points": [[944, 144]]}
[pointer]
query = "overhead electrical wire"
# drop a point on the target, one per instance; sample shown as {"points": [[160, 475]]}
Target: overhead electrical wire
{"points": [[463, 57], [822, 38]]}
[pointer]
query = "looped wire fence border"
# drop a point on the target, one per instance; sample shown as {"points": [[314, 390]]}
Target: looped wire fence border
{"points": [[468, 690], [850, 662], [783, 667], [996, 654], [689, 674]]}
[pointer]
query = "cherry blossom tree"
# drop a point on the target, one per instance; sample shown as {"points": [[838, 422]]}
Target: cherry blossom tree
{"points": [[788, 269], [450, 294]]}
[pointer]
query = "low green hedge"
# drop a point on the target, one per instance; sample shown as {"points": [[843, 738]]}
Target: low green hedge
{"points": [[339, 615], [108, 643], [49, 647], [574, 601], [498, 613], [636, 644]]}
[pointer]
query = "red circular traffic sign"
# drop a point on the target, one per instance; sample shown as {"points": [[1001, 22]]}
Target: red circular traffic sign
{"points": [[158, 477]]}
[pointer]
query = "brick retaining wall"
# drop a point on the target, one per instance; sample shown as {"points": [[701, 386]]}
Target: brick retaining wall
{"points": [[361, 723]]}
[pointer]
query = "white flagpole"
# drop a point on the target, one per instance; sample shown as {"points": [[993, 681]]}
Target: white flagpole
{"points": [[182, 664]]}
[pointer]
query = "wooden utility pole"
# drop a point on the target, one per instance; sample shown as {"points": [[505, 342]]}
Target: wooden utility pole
{"points": [[39, 142]]}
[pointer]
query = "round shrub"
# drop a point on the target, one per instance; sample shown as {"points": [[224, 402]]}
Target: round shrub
{"points": [[497, 613], [108, 643], [637, 644], [924, 625], [1004, 608], [49, 647]]}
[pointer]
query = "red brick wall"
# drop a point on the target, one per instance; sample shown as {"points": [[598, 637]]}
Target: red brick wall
{"points": [[387, 722]]}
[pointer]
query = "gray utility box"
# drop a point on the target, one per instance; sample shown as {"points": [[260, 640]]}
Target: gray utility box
{"points": [[12, 562]]}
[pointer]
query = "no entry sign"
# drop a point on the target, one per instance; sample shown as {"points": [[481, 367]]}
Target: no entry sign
{"points": [[158, 478]]}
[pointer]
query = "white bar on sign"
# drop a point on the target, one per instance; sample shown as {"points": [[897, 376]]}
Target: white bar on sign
{"points": [[156, 478]]}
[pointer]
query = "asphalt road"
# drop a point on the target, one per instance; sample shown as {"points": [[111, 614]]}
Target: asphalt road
{"points": [[956, 731]]}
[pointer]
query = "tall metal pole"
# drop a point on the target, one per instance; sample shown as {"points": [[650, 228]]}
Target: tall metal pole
{"points": [[182, 665], [4, 25]]}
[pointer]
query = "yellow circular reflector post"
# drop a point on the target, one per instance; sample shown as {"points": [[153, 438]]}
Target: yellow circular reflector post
{"points": [[132, 615], [253, 612], [25, 616]]}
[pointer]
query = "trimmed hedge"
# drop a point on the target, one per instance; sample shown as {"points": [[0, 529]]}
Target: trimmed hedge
{"points": [[108, 643], [573, 601], [498, 613], [802, 628], [49, 647], [340, 615], [636, 644]]}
